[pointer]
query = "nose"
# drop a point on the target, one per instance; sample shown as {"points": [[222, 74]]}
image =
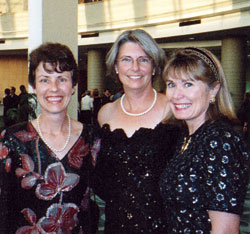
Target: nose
{"points": [[135, 65], [54, 85], [178, 92]]}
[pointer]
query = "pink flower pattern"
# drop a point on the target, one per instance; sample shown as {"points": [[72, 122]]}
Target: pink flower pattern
{"points": [[80, 151], [28, 181], [56, 181], [30, 216], [60, 217]]}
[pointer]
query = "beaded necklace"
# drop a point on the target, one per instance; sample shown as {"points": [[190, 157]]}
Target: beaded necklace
{"points": [[138, 114], [45, 141]]}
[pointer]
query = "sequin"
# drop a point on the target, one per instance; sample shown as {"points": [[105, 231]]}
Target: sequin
{"points": [[213, 144], [187, 231], [233, 201], [220, 197], [45, 187], [226, 147], [225, 159], [210, 175], [222, 185], [212, 157], [210, 169], [137, 204], [192, 189], [223, 173], [193, 177]]}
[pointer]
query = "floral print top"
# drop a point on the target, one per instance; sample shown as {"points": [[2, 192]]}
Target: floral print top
{"points": [[40, 193]]}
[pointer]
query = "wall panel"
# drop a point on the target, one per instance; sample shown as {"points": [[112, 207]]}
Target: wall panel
{"points": [[13, 72]]}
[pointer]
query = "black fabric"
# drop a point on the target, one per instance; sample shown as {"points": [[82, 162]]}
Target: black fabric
{"points": [[127, 174], [28, 153], [211, 174]]}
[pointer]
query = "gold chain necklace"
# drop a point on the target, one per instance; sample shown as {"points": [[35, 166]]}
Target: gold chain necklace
{"points": [[186, 143]]}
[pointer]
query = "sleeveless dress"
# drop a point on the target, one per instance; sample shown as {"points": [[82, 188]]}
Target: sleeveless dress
{"points": [[40, 193], [211, 174], [126, 178]]}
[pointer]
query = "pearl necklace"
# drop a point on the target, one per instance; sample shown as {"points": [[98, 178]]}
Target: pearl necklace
{"points": [[138, 114], [46, 143]]}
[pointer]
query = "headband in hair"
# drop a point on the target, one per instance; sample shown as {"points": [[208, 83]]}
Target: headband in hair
{"points": [[201, 53]]}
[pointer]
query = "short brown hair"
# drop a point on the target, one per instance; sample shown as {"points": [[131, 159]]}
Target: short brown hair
{"points": [[55, 54]]}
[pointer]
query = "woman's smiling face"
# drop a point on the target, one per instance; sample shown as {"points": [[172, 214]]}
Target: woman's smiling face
{"points": [[189, 99], [53, 89], [134, 66]]}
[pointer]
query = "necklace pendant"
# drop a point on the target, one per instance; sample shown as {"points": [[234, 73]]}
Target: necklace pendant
{"points": [[186, 143]]}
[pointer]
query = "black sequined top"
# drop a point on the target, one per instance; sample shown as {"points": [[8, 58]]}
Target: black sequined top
{"points": [[211, 174], [129, 170]]}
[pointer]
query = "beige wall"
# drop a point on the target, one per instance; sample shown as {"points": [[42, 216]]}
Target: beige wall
{"points": [[13, 72], [13, 5]]}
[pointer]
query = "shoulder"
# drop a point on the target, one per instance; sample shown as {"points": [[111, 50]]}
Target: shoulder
{"points": [[76, 127], [220, 131], [20, 127], [106, 111], [220, 139]]}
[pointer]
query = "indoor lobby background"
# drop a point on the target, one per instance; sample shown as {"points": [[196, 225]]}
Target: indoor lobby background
{"points": [[90, 28]]}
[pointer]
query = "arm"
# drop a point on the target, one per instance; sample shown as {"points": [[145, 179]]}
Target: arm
{"points": [[227, 162], [104, 114], [224, 223]]}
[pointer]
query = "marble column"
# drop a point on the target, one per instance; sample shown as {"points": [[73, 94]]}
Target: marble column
{"points": [[54, 21], [95, 70], [233, 58]]}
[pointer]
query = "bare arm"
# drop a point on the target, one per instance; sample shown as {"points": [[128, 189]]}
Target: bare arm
{"points": [[104, 114], [224, 223]]}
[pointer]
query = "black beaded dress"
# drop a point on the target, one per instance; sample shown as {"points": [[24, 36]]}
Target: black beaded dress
{"points": [[128, 170], [40, 193], [211, 174]]}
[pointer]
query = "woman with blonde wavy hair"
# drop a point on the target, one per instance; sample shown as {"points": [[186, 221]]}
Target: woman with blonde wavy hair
{"points": [[204, 184]]}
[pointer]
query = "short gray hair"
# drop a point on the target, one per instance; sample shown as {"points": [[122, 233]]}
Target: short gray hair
{"points": [[145, 41]]}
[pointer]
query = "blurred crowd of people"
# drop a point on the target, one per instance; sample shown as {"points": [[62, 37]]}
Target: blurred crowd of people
{"points": [[15, 106], [92, 101]]}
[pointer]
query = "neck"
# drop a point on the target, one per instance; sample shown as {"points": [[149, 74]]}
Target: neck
{"points": [[47, 143], [135, 99], [132, 109], [192, 127], [57, 124]]}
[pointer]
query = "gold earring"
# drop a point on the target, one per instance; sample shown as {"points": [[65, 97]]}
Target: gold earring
{"points": [[212, 101]]}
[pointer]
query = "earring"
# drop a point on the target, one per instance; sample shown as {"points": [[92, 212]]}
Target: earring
{"points": [[212, 101], [153, 73], [116, 70]]}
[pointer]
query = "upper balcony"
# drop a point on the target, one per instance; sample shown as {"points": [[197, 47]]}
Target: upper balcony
{"points": [[99, 22]]}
